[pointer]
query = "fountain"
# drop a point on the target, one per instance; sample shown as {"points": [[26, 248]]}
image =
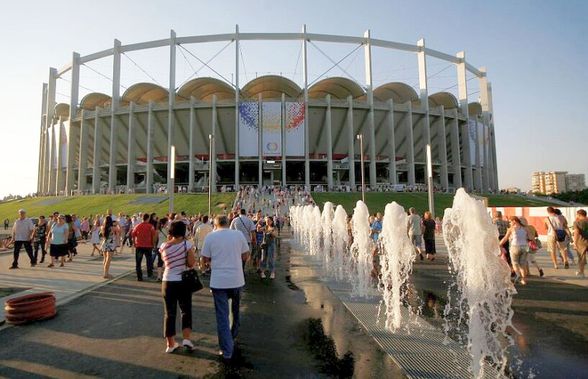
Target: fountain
{"points": [[397, 259], [482, 282], [340, 244], [327, 234], [361, 251]]}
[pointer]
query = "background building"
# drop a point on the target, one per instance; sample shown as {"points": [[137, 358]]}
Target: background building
{"points": [[556, 182], [270, 130]]}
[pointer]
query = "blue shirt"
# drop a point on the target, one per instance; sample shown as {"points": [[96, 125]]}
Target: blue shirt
{"points": [[376, 229]]}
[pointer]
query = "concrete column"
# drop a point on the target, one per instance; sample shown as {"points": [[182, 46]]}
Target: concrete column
{"points": [[96, 174], [351, 143], [371, 117], [441, 137], [457, 181], [83, 153], [306, 115], [149, 163], [237, 93], [60, 175], [487, 115], [476, 149], [259, 141], [131, 155], [462, 90], [484, 147], [171, 104], [52, 161], [112, 171], [192, 148], [213, 152], [73, 110], [328, 126], [283, 137], [392, 176], [42, 142], [50, 112], [410, 145]]}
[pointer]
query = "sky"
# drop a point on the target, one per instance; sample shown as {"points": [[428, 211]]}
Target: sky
{"points": [[535, 53]]}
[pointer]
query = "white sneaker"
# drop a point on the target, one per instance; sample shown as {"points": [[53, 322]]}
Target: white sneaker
{"points": [[263, 275], [188, 344], [169, 350], [273, 275], [580, 274]]}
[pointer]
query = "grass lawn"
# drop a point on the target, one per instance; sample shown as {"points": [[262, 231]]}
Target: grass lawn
{"points": [[98, 204], [377, 201]]}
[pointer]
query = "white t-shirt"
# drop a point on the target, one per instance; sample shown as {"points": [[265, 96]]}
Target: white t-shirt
{"points": [[23, 229], [414, 225], [224, 247], [244, 225]]}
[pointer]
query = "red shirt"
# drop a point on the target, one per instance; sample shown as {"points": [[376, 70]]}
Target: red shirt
{"points": [[143, 235]]}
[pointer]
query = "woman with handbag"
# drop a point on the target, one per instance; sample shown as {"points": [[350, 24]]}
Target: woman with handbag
{"points": [[178, 257], [517, 235], [534, 246], [268, 248], [108, 246]]}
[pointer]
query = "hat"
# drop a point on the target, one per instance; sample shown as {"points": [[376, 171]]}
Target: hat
{"points": [[22, 211]]}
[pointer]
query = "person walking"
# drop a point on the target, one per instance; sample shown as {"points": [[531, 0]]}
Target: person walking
{"points": [[178, 255], [429, 226], [581, 240], [245, 225], [162, 233], [72, 242], [95, 237], [502, 227], [517, 234], [57, 241], [6, 224], [22, 234], [144, 238], [268, 249], [415, 232], [534, 246], [40, 240], [557, 237], [225, 251], [108, 245], [200, 234]]}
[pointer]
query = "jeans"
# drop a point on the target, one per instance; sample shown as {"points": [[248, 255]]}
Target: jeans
{"points": [[174, 293], [226, 333], [139, 252], [39, 245], [269, 257], [28, 248]]}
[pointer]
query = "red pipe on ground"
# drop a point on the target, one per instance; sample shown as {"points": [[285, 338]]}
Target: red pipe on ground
{"points": [[24, 309]]}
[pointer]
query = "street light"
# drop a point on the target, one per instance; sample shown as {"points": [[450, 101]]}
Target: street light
{"points": [[430, 181], [360, 138], [172, 177], [210, 139]]}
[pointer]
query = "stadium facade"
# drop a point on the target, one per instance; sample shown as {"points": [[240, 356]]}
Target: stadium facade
{"points": [[269, 131]]}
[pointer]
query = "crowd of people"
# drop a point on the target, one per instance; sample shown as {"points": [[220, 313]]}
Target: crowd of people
{"points": [[520, 242]]}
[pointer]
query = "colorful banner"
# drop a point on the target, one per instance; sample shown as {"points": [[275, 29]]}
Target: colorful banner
{"points": [[271, 125], [271, 115], [295, 129], [248, 128]]}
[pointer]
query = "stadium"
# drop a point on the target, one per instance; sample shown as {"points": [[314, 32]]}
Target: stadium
{"points": [[269, 129]]}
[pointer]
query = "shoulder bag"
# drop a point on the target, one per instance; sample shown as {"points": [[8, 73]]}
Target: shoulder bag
{"points": [[190, 277], [560, 234]]}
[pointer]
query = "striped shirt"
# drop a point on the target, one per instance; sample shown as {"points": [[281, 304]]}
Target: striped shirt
{"points": [[174, 260]]}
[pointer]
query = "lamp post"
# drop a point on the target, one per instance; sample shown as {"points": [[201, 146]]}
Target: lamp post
{"points": [[360, 138], [430, 181], [172, 177], [210, 139]]}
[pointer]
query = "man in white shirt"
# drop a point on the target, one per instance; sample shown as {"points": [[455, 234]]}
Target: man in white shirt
{"points": [[414, 231], [22, 235], [244, 224], [226, 250]]}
